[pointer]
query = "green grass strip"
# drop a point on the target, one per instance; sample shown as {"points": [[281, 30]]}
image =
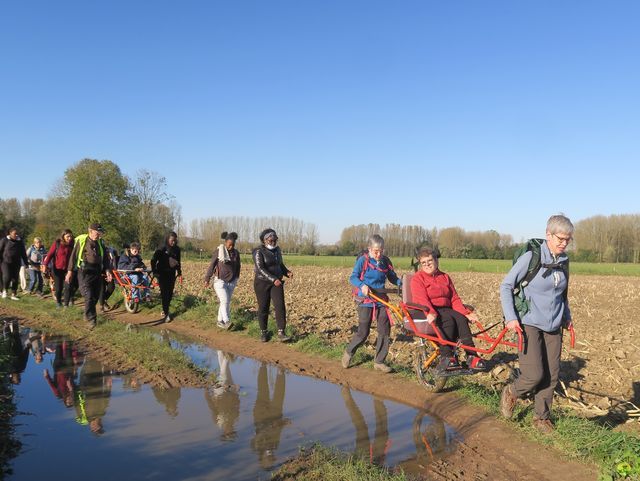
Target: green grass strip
{"points": [[320, 463]]}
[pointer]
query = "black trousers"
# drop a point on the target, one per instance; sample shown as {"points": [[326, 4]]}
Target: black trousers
{"points": [[61, 288], [90, 284], [106, 291], [167, 282], [267, 292], [10, 276], [365, 317], [454, 326]]}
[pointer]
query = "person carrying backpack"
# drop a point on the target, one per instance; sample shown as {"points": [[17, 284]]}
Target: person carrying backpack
{"points": [[36, 254], [534, 295], [371, 271]]}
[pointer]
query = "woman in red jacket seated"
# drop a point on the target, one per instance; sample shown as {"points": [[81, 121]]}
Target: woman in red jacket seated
{"points": [[434, 289]]}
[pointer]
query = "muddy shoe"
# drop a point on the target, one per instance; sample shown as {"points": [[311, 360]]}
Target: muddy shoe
{"points": [[544, 426], [476, 363], [282, 337], [346, 359], [264, 336], [507, 401], [380, 366]]}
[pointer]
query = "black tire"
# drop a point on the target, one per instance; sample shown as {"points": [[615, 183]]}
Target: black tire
{"points": [[131, 306], [427, 376]]}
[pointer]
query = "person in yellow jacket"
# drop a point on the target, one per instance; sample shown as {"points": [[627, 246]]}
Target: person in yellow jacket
{"points": [[90, 259]]}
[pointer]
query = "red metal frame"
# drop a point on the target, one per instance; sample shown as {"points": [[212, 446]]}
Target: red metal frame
{"points": [[125, 283], [401, 312]]}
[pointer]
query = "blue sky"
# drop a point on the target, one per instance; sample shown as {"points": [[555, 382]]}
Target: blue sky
{"points": [[480, 114]]}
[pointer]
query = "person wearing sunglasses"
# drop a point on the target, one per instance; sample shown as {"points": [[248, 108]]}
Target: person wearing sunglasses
{"points": [[547, 313]]}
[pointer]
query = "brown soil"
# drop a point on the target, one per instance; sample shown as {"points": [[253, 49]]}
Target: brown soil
{"points": [[598, 374]]}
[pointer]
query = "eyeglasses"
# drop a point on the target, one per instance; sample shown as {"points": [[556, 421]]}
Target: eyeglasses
{"points": [[562, 240]]}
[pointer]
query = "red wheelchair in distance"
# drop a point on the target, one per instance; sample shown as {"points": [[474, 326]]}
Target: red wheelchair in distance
{"points": [[133, 294], [412, 319]]}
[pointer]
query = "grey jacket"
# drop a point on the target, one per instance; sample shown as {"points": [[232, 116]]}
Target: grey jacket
{"points": [[548, 309]]}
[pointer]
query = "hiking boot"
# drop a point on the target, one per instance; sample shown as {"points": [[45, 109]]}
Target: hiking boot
{"points": [[507, 401], [447, 362], [382, 367], [282, 337], [346, 359], [264, 336], [476, 363], [544, 426]]}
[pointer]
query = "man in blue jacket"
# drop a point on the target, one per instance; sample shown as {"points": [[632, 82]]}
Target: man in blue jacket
{"points": [[547, 312]]}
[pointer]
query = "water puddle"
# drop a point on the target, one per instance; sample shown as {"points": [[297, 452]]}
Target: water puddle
{"points": [[84, 421]]}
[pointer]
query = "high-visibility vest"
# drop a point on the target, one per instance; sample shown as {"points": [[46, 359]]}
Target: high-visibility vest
{"points": [[82, 241]]}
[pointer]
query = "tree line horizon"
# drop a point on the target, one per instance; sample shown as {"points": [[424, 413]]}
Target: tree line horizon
{"points": [[142, 210]]}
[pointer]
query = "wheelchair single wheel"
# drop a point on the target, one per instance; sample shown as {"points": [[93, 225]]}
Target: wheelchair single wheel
{"points": [[131, 305], [427, 374]]}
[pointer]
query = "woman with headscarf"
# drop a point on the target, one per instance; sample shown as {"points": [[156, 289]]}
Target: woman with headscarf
{"points": [[268, 283]]}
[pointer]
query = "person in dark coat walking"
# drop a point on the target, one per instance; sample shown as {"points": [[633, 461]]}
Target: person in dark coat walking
{"points": [[90, 260], [268, 283], [12, 255], [166, 266]]}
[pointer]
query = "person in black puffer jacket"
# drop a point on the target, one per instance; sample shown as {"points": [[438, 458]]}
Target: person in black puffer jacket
{"points": [[268, 283], [12, 255], [166, 266]]}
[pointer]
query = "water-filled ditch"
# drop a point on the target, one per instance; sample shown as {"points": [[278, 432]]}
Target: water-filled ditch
{"points": [[81, 420]]}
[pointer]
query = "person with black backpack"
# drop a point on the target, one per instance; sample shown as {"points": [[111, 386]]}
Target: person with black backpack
{"points": [[534, 296], [371, 271]]}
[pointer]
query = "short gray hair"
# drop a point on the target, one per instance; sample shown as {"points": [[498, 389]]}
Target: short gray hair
{"points": [[559, 223], [376, 241]]}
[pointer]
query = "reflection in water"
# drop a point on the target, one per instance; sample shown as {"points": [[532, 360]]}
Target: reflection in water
{"points": [[18, 347], [93, 394], [375, 451], [267, 416], [223, 399], [65, 361], [169, 398], [248, 429]]}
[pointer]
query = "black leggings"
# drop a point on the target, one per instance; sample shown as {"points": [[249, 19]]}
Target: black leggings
{"points": [[60, 286], [454, 326], [267, 292], [167, 281], [10, 276]]}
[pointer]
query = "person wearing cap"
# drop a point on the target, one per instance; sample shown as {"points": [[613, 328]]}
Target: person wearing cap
{"points": [[89, 259], [225, 267], [166, 266], [268, 283]]}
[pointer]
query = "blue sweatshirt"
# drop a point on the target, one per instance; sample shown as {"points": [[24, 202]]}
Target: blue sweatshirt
{"points": [[545, 295], [375, 276]]}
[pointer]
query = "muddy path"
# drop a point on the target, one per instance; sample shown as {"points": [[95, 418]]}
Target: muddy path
{"points": [[490, 449]]}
